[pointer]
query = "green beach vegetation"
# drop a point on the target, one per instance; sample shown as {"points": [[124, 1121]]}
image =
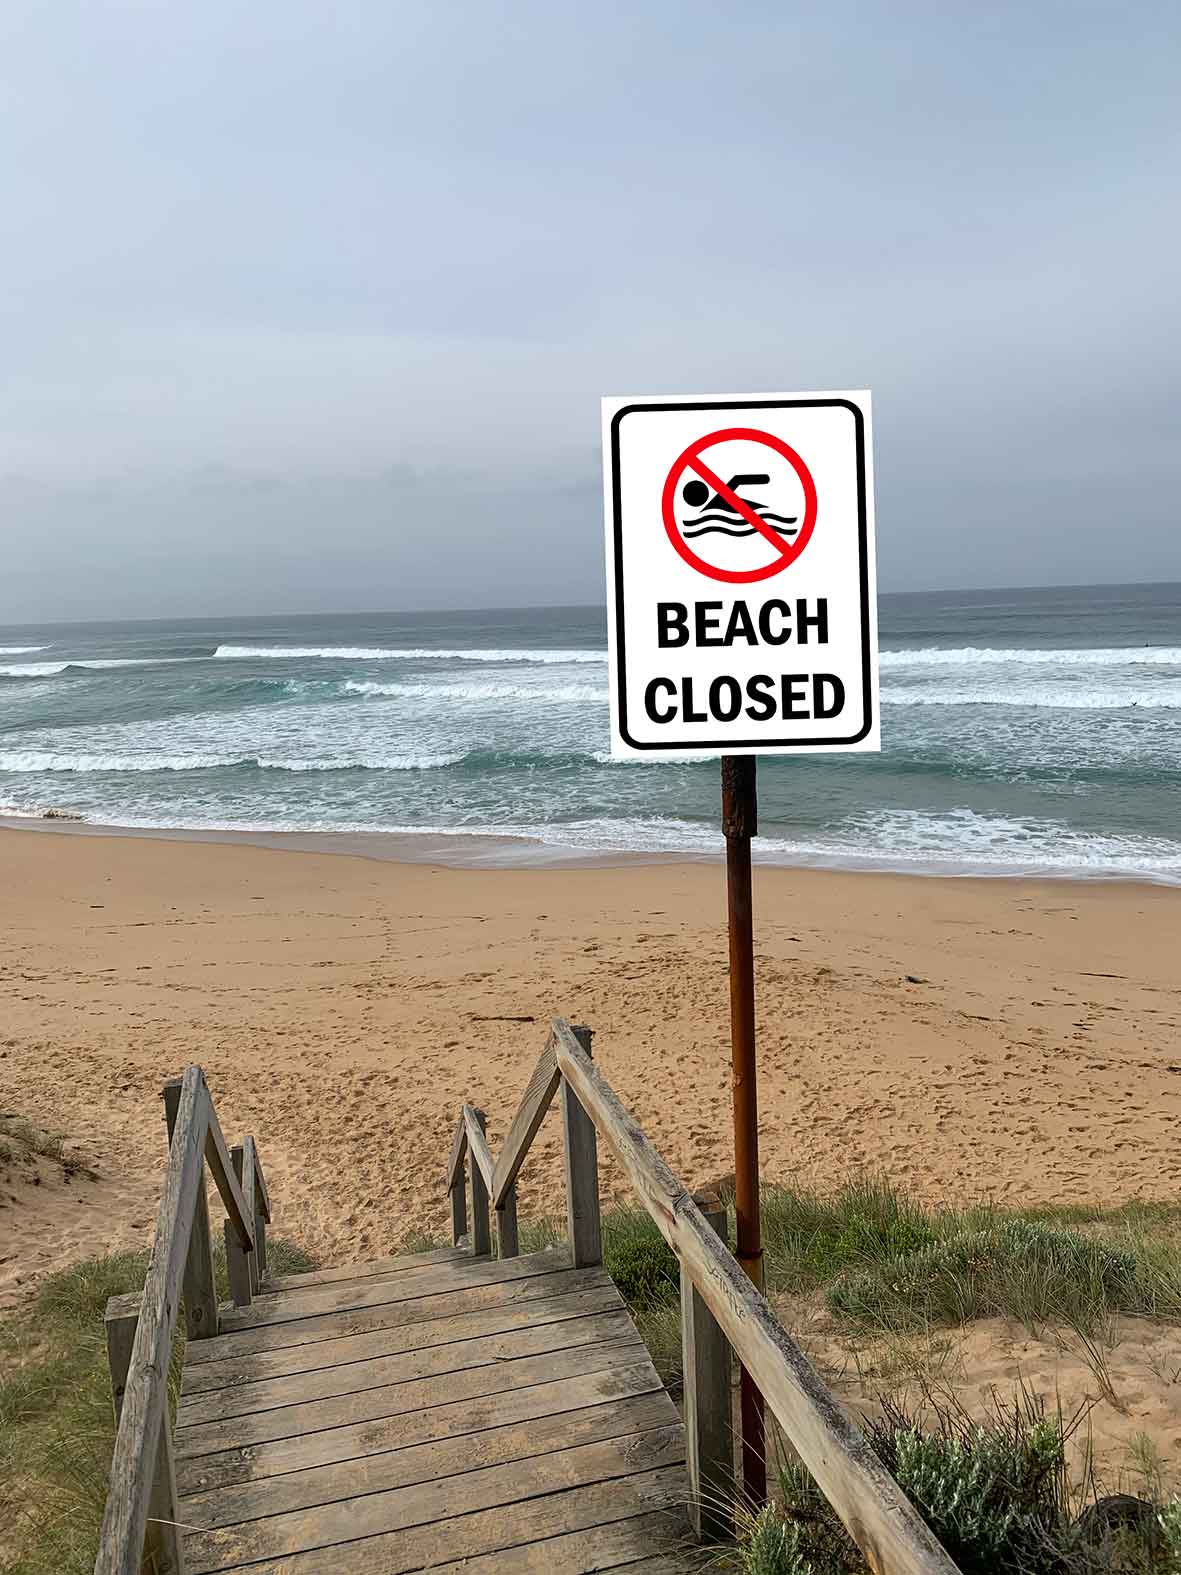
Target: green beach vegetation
{"points": [[57, 1426], [1011, 1491]]}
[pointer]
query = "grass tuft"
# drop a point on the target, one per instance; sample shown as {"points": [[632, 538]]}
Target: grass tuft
{"points": [[57, 1426]]}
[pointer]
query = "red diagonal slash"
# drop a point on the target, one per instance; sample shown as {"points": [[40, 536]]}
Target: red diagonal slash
{"points": [[740, 504]]}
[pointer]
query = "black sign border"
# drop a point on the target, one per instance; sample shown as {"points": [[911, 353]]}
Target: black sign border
{"points": [[863, 543]]}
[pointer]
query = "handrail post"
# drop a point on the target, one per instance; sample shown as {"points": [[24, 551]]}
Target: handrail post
{"points": [[459, 1210], [239, 1262], [481, 1216], [260, 1217], [162, 1545], [507, 1239], [705, 1361], [583, 1225], [200, 1283]]}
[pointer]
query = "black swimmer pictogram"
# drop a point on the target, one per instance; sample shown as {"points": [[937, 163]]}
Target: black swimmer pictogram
{"points": [[720, 516]]}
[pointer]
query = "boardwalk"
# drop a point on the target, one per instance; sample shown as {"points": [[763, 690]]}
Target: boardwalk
{"points": [[434, 1411]]}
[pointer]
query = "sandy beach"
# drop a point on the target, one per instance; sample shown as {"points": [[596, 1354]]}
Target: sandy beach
{"points": [[969, 1039]]}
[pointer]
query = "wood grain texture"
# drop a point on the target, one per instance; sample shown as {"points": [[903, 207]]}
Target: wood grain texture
{"points": [[224, 1179], [445, 1457], [200, 1284], [366, 1271], [634, 1375], [874, 1510], [313, 1329], [539, 1092], [162, 1542], [458, 1152], [391, 1400], [208, 1377], [145, 1398], [395, 1287], [706, 1364], [479, 1167], [430, 1505], [451, 1542], [432, 1362], [583, 1225], [610, 1547]]}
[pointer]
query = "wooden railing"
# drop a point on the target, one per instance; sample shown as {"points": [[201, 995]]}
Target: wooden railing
{"points": [[721, 1311], [140, 1527]]}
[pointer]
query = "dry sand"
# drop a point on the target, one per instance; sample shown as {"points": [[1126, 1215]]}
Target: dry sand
{"points": [[967, 1038]]}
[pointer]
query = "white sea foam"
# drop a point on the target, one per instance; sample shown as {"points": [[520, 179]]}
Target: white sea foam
{"points": [[1165, 696], [51, 669], [361, 653], [33, 761], [957, 842], [534, 693], [20, 650], [990, 656]]}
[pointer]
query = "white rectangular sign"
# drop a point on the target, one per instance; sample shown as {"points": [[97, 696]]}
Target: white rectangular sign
{"points": [[740, 574]]}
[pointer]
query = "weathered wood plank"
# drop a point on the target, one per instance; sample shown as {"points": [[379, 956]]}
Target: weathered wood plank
{"points": [[264, 1195], [479, 1159], [541, 1088], [388, 1400], [475, 1121], [429, 1504], [145, 1398], [508, 1240], [611, 1547], [390, 1315], [161, 1537], [446, 1457], [350, 1273], [200, 1283], [464, 1537], [262, 1213], [583, 1227], [431, 1280], [458, 1153], [873, 1508], [607, 1386], [209, 1377], [240, 1265], [433, 1362], [221, 1167], [705, 1362]]}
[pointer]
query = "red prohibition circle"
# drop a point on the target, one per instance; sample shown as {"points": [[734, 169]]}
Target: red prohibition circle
{"points": [[686, 461]]}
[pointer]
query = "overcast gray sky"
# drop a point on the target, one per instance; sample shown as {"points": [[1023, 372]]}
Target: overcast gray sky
{"points": [[310, 306]]}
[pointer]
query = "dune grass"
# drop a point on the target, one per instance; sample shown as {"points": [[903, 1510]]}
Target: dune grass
{"points": [[56, 1423]]}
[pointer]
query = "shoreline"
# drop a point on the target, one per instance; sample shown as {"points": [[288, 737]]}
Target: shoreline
{"points": [[461, 850]]}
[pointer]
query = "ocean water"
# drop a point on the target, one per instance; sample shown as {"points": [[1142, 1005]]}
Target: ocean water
{"points": [[1030, 731]]}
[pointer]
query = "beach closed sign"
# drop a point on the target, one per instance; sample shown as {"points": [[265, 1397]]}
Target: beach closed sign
{"points": [[740, 574]]}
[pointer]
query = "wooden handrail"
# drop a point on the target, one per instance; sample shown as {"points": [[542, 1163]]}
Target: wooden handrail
{"points": [[140, 1519], [876, 1513], [458, 1153], [478, 1145], [145, 1397], [535, 1101], [217, 1155]]}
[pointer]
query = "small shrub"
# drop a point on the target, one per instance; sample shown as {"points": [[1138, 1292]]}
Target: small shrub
{"points": [[639, 1260], [1008, 1268]]}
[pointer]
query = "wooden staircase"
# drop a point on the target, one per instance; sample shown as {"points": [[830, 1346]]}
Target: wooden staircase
{"points": [[451, 1410], [432, 1411]]}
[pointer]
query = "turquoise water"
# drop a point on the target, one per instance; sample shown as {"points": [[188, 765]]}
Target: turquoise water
{"points": [[1023, 731]]}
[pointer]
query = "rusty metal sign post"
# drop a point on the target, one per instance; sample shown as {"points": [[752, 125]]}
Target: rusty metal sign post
{"points": [[740, 813]]}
